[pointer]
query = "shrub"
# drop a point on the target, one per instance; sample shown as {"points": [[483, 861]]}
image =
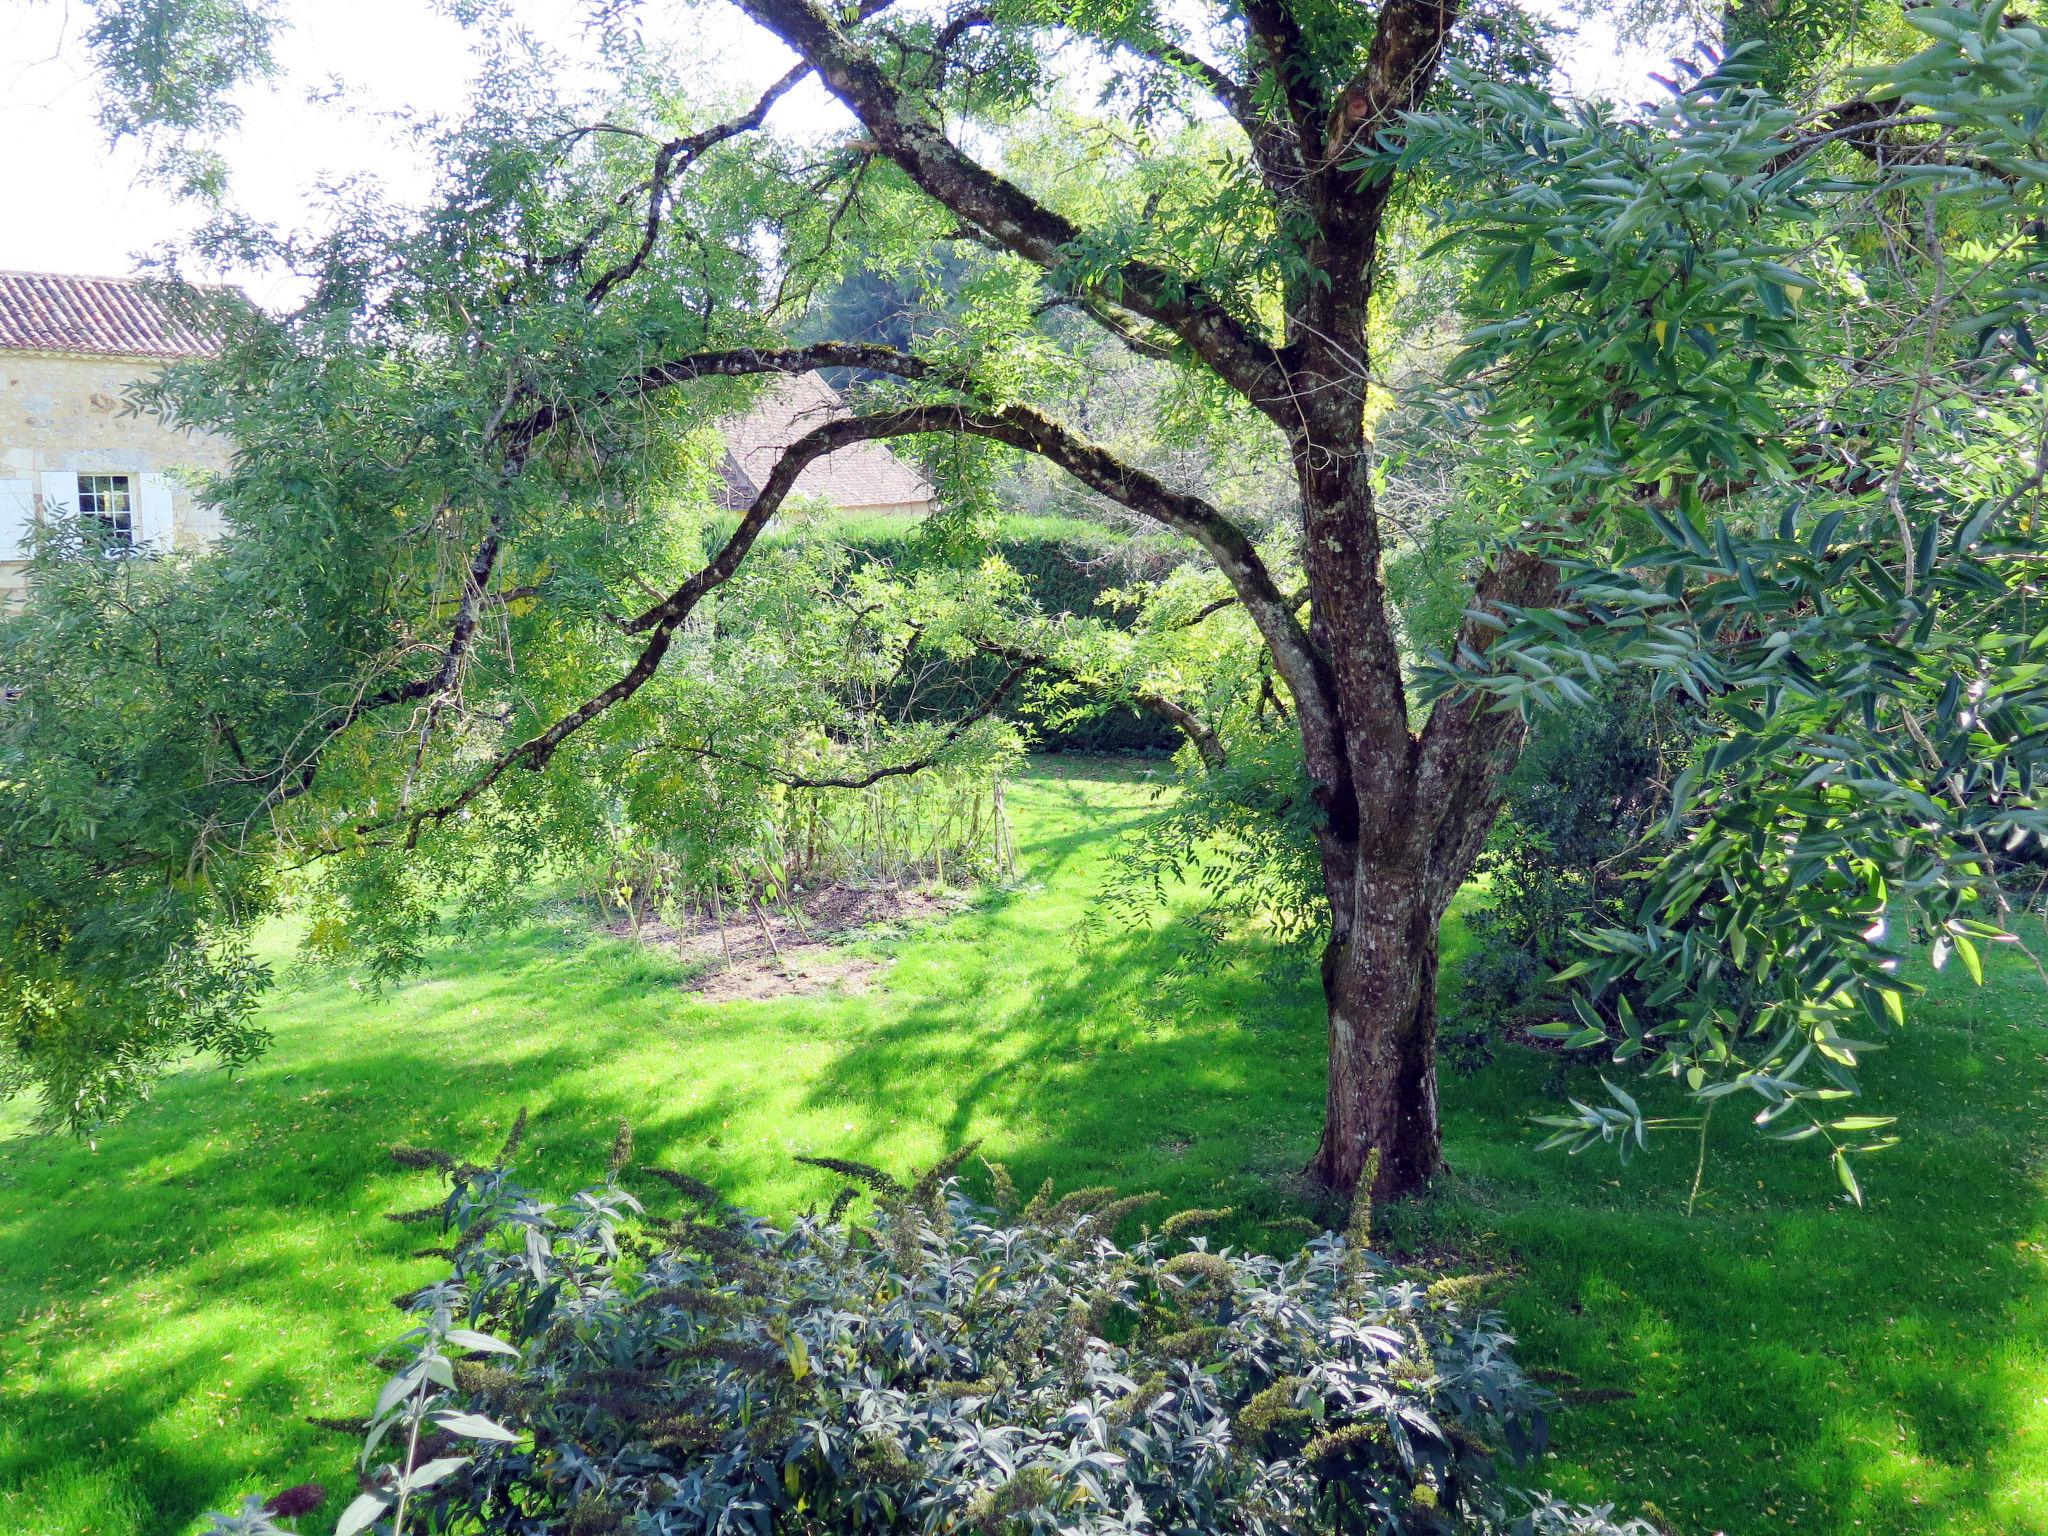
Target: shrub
{"points": [[1068, 566], [932, 1366], [1576, 832]]}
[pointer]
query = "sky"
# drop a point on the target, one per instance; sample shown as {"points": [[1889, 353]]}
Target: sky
{"points": [[69, 202]]}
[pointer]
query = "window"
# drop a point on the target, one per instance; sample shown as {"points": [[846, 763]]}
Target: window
{"points": [[106, 510]]}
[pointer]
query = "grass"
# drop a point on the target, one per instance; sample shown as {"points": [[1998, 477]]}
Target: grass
{"points": [[174, 1301]]}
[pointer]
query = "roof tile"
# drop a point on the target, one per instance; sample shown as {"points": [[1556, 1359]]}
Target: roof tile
{"points": [[111, 316]]}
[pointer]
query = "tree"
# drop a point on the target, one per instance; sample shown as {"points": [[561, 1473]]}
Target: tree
{"points": [[473, 399]]}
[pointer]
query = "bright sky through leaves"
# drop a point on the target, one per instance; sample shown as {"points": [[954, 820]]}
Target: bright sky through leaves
{"points": [[79, 206]]}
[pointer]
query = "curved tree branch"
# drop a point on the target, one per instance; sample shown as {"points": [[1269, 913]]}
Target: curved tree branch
{"points": [[1020, 427], [1872, 128], [1023, 428], [990, 702], [1133, 340], [1096, 467], [734, 363], [658, 624], [670, 161], [1190, 725], [1009, 215], [1233, 94]]}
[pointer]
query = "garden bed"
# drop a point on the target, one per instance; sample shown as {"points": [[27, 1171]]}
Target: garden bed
{"points": [[790, 949]]}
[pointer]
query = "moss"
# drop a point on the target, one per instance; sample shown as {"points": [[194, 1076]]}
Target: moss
{"points": [[994, 1511], [1135, 1403], [1191, 1343], [1460, 1290], [1327, 1453]]}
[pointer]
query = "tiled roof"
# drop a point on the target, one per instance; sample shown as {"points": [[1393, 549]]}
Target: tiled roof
{"points": [[857, 476], [111, 316]]}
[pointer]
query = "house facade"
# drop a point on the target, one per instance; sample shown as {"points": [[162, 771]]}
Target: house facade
{"points": [[70, 347]]}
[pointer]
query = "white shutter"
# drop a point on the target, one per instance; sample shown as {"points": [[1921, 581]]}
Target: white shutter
{"points": [[153, 512], [60, 493], [17, 517]]}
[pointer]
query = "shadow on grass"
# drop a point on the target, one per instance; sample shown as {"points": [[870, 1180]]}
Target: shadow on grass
{"points": [[1796, 1363], [217, 1269], [175, 1302]]}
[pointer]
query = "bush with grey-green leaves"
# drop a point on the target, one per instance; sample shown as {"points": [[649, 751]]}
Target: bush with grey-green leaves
{"points": [[913, 1360]]}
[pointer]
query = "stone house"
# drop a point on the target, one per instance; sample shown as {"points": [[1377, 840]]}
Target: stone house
{"points": [[69, 349]]}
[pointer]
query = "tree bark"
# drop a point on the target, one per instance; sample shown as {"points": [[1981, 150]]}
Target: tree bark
{"points": [[1400, 808], [1379, 983]]}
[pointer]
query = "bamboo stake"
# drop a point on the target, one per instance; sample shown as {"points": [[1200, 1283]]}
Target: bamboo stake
{"points": [[766, 932], [718, 917]]}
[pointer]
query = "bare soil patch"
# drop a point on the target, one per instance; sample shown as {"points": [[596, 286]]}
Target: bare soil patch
{"points": [[791, 950]]}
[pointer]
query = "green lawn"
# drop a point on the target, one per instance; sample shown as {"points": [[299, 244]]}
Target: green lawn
{"points": [[175, 1300]]}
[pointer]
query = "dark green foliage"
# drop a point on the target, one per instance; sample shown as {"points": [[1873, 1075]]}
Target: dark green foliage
{"points": [[1577, 830], [102, 745], [1838, 568], [1068, 567], [1243, 834], [931, 1369]]}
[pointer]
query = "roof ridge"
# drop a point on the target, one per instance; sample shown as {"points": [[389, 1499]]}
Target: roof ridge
{"points": [[220, 285]]}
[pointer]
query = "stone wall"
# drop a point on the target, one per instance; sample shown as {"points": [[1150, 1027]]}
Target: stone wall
{"points": [[65, 412]]}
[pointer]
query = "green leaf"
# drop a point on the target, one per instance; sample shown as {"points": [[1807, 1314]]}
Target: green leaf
{"points": [[1972, 962], [362, 1510], [427, 1473], [799, 1357], [469, 1338], [472, 1426], [1848, 1177]]}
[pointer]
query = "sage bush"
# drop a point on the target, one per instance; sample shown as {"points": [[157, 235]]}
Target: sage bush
{"points": [[917, 1361]]}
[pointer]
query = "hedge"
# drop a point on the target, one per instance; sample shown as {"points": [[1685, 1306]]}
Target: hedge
{"points": [[1067, 564]]}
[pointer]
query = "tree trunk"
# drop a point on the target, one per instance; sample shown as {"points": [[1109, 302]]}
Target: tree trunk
{"points": [[1379, 980]]}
